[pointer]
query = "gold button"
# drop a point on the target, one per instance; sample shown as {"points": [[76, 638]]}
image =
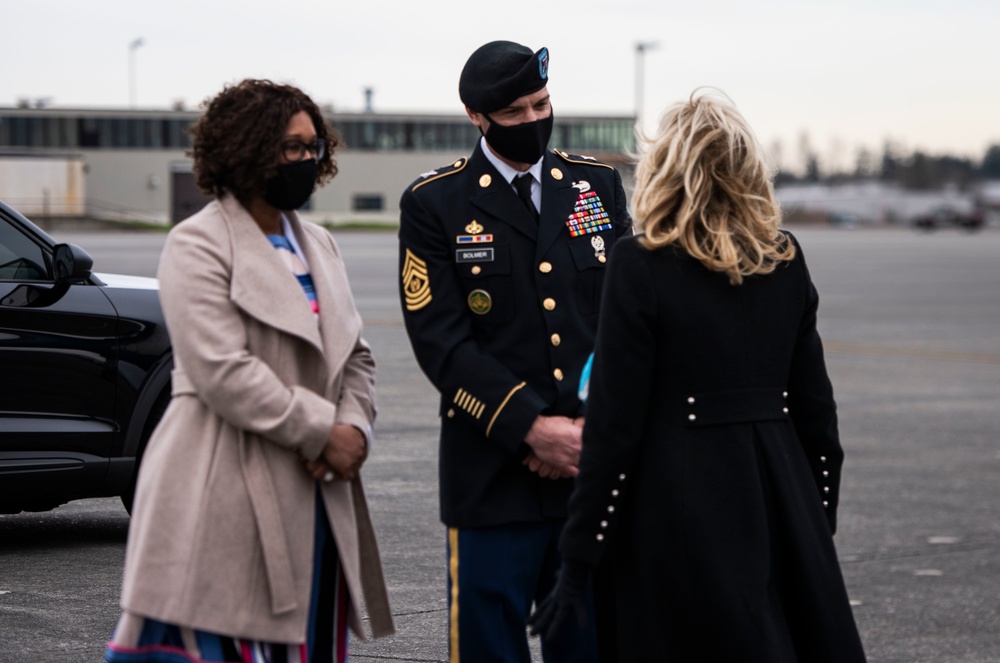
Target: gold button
{"points": [[485, 180], [602, 259], [555, 339], [558, 374], [476, 269], [545, 267], [549, 303], [556, 174], [451, 413]]}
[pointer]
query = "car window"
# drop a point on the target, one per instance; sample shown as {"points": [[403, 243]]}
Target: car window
{"points": [[20, 258]]}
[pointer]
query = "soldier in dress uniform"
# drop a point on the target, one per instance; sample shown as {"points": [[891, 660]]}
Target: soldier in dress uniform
{"points": [[502, 258]]}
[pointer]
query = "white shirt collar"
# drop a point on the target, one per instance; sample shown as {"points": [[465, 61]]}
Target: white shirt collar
{"points": [[506, 171]]}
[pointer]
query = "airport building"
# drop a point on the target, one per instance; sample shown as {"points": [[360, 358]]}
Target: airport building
{"points": [[132, 164]]}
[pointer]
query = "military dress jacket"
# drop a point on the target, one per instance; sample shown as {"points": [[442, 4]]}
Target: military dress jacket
{"points": [[710, 471], [501, 311], [222, 530]]}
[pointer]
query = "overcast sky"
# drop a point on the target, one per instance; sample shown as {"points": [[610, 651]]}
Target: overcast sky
{"points": [[851, 73]]}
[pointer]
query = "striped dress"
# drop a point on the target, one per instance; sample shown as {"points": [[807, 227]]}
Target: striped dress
{"points": [[139, 639]]}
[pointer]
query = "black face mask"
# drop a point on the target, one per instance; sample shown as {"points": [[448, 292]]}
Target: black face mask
{"points": [[292, 185], [520, 143]]}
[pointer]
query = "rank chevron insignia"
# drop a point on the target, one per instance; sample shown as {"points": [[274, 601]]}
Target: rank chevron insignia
{"points": [[416, 282]]}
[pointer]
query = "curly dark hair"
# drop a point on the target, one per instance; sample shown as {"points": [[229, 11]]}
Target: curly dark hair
{"points": [[236, 141]]}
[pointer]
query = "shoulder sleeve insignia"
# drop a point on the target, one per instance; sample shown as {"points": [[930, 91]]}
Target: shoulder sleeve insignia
{"points": [[416, 282], [578, 158], [439, 173]]}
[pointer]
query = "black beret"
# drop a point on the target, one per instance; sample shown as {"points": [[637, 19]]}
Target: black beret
{"points": [[500, 72]]}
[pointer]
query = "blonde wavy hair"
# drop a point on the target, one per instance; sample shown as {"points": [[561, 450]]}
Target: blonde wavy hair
{"points": [[702, 184]]}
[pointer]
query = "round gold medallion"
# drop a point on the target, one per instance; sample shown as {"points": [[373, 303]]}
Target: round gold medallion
{"points": [[480, 302], [485, 180], [556, 174], [545, 267]]}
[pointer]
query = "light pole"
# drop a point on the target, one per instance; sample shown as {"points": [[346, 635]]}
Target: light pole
{"points": [[640, 79], [133, 45]]}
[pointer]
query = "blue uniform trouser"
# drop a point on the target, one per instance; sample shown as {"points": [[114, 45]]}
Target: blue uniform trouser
{"points": [[495, 574]]}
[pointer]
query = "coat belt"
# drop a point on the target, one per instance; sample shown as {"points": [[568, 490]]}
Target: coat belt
{"points": [[734, 406], [180, 384], [270, 529]]}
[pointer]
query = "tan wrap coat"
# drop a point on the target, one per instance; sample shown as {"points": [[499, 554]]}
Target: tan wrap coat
{"points": [[223, 524]]}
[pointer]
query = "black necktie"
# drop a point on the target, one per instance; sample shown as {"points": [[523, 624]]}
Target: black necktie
{"points": [[523, 185]]}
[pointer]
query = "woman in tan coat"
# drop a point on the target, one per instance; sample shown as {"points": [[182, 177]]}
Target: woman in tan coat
{"points": [[250, 536]]}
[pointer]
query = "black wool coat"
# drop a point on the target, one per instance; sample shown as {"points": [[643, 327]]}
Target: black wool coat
{"points": [[501, 311], [711, 466]]}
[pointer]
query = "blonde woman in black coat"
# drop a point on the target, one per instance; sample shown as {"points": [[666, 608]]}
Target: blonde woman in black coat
{"points": [[707, 494]]}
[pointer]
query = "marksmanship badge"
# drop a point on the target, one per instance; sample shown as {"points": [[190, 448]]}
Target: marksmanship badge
{"points": [[598, 243]]}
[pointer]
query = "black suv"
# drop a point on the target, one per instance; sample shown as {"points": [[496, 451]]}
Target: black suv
{"points": [[945, 217], [84, 372]]}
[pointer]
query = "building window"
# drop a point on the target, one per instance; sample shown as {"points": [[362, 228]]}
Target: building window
{"points": [[368, 202], [90, 134]]}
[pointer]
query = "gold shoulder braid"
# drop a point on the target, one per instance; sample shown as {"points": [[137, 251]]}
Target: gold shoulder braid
{"points": [[440, 172]]}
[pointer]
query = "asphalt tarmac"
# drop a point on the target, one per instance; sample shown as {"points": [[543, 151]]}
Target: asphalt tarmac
{"points": [[911, 326]]}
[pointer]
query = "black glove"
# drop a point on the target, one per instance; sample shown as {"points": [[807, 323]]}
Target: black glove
{"points": [[568, 599]]}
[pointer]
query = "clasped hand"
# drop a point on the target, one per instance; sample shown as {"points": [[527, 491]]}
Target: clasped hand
{"points": [[566, 604], [342, 457], [555, 443]]}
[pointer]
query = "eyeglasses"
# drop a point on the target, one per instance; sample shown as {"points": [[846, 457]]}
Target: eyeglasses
{"points": [[295, 150]]}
